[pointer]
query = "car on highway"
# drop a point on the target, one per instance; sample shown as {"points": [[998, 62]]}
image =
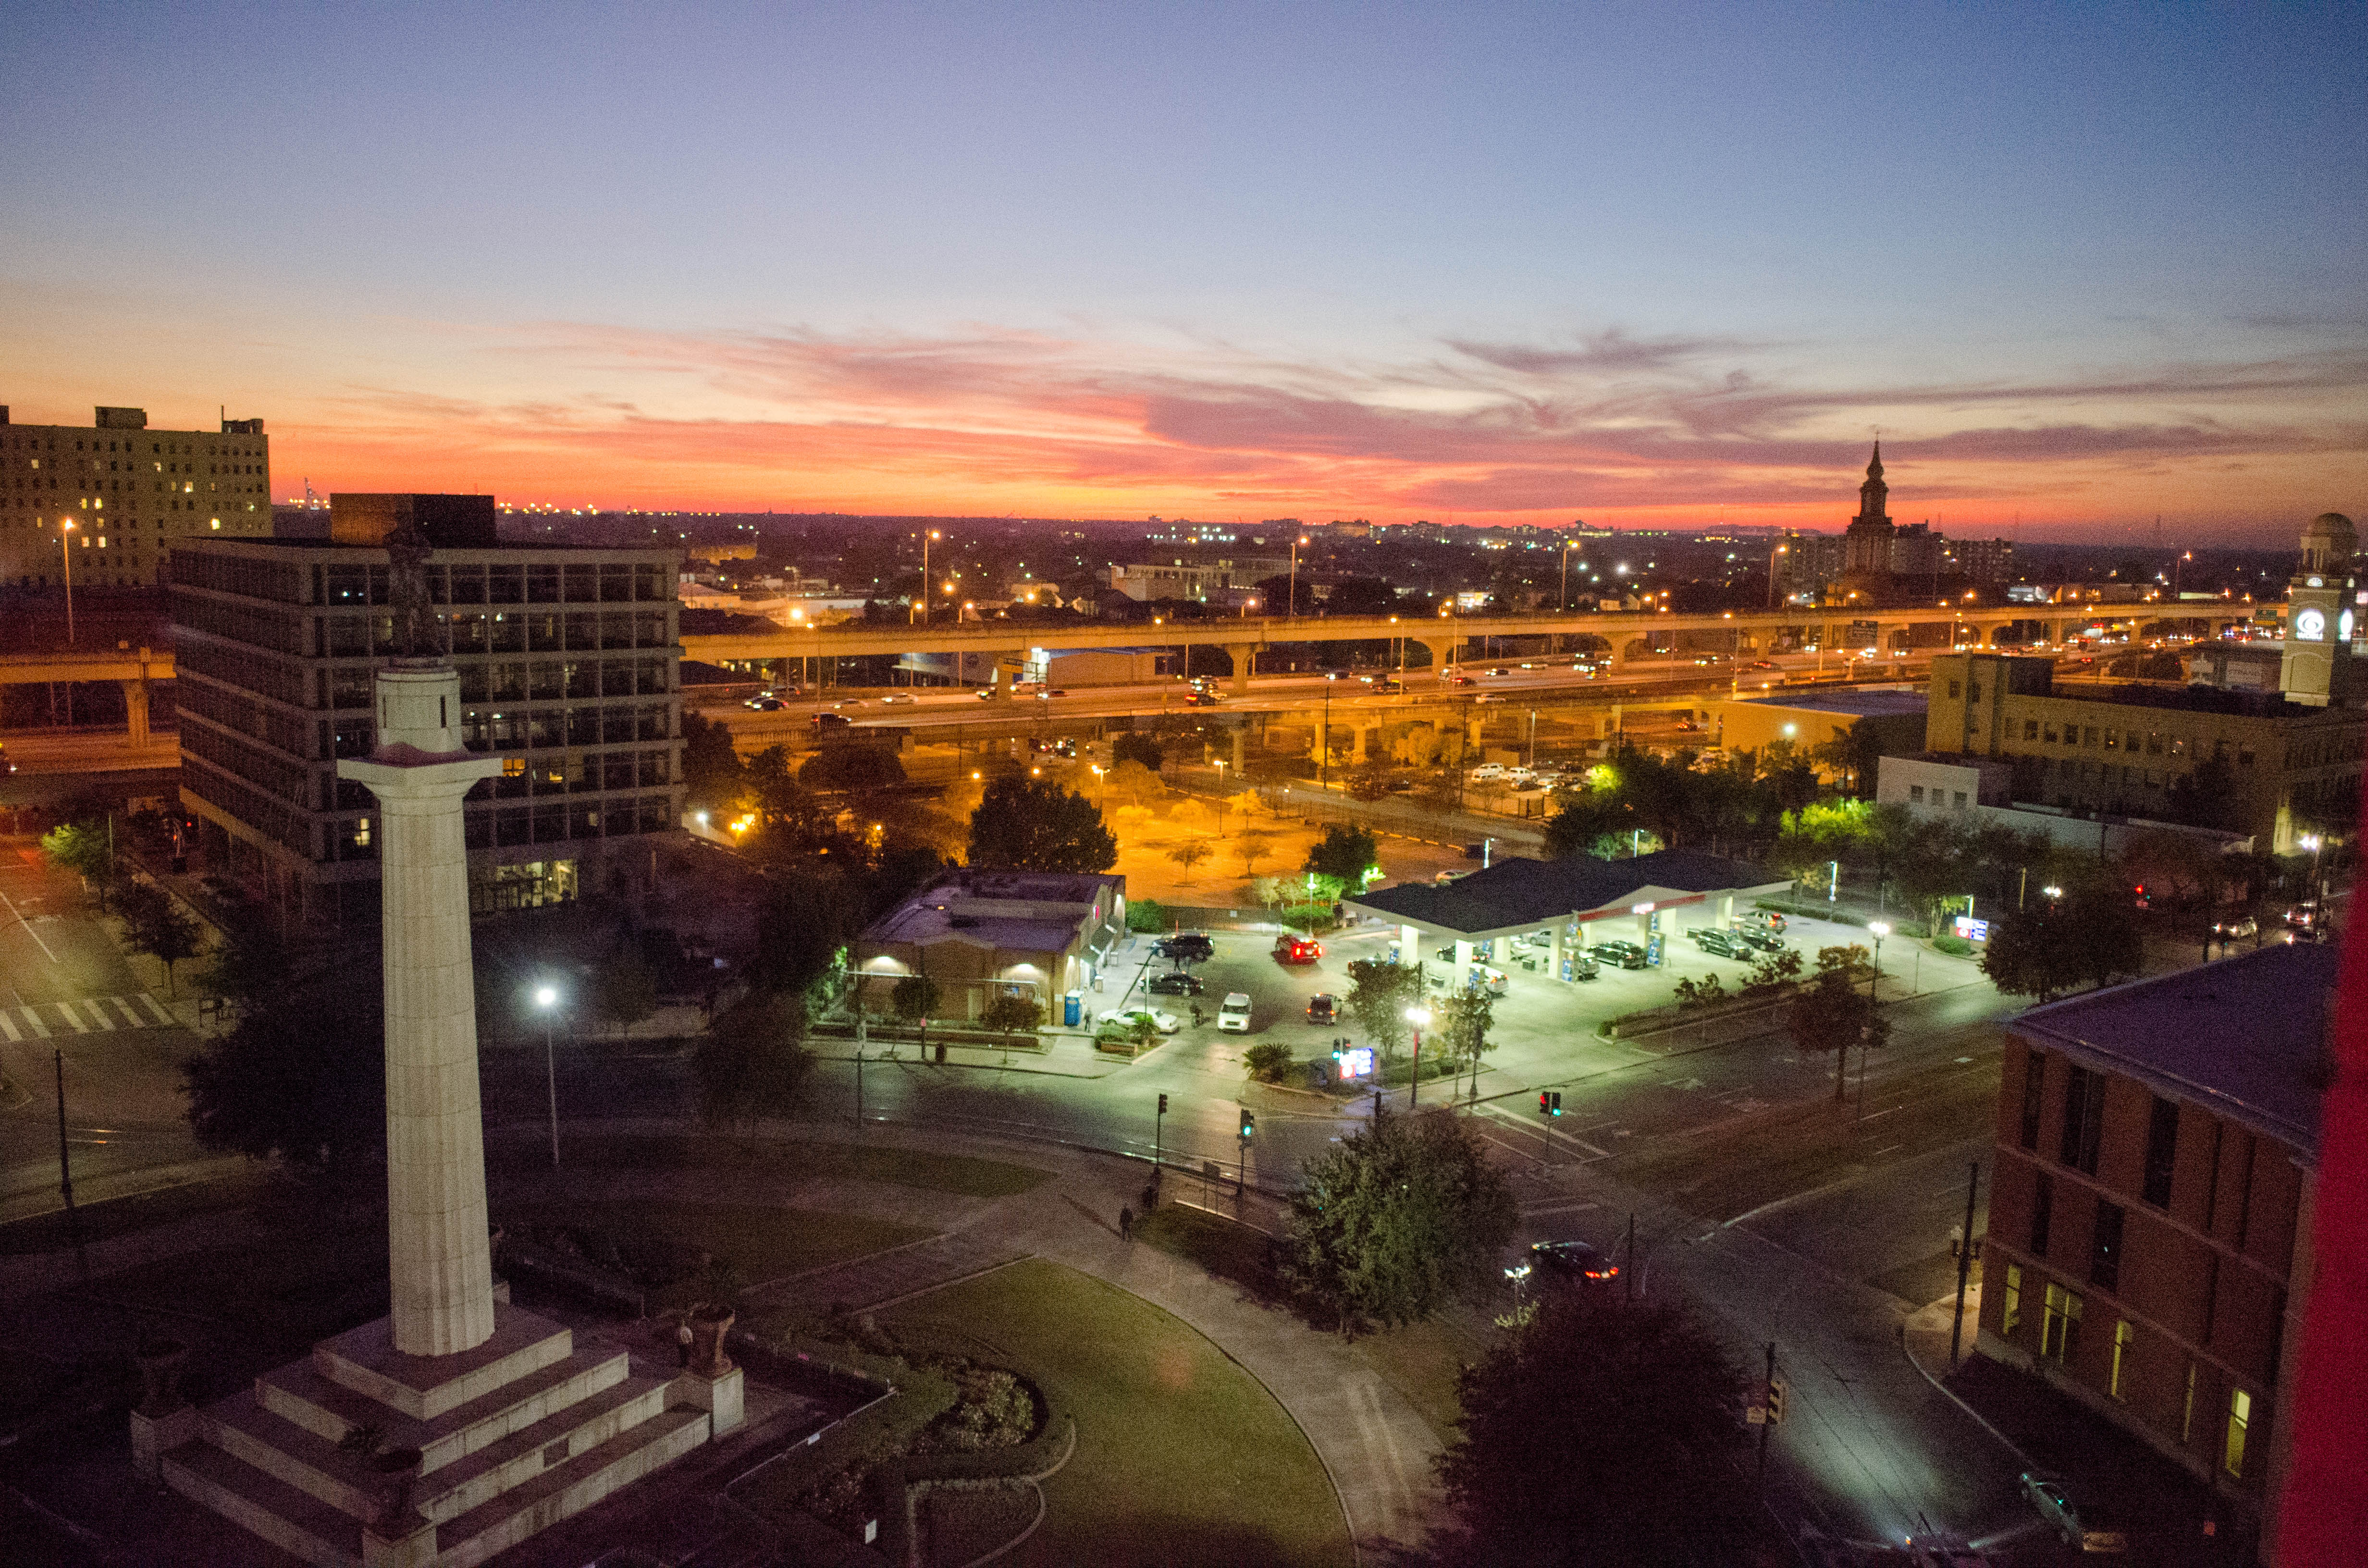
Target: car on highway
{"points": [[1234, 1012], [1490, 696], [986, 694], [2075, 1516], [1065, 748], [1177, 984], [1128, 1018], [1388, 683], [900, 697], [765, 704], [1500, 670], [1459, 680], [1200, 700], [1575, 1262], [1186, 946], [1619, 953], [1297, 949], [1324, 1008]]}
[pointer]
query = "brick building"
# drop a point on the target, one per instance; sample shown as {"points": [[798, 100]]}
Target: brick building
{"points": [[129, 492], [2149, 1221]]}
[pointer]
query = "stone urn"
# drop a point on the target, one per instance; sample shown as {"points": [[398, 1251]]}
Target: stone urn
{"points": [[161, 1363], [397, 1470], [708, 1324]]}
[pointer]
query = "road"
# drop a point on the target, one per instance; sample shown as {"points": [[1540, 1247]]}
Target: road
{"points": [[67, 990]]}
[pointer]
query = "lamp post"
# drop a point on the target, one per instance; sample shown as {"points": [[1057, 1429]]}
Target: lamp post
{"points": [[1879, 931], [1419, 1018], [924, 606], [546, 997], [65, 527], [1292, 610]]}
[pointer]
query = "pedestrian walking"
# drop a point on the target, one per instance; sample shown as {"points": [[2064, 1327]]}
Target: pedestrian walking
{"points": [[1125, 1224], [682, 1343]]}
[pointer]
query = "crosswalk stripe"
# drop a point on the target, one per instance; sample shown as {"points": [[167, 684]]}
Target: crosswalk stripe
{"points": [[161, 1016], [129, 1016], [8, 1029], [34, 1019], [97, 1012], [65, 1010]]}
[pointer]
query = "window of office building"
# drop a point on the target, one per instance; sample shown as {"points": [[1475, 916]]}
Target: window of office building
{"points": [[2034, 1085], [2105, 1247], [2240, 1417], [2125, 1337], [2059, 1323], [2010, 1318], [2042, 1213], [2162, 1152], [1915, 794], [2084, 1120]]}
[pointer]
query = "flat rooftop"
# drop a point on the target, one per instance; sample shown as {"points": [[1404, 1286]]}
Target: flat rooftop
{"points": [[1514, 895], [2246, 1036], [1873, 703], [1038, 911]]}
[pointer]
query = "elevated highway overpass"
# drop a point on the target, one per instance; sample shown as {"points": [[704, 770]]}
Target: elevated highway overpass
{"points": [[1243, 638]]}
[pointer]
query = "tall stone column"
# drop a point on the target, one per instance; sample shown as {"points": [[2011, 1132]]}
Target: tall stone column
{"points": [[443, 1270]]}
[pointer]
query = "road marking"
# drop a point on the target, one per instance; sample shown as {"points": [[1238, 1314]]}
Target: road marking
{"points": [[66, 1010], [97, 1012], [161, 1016], [9, 1029], [34, 1019]]}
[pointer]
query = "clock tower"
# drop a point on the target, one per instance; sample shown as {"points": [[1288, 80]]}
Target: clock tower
{"points": [[2321, 611]]}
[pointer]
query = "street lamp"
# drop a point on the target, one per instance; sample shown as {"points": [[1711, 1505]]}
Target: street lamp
{"points": [[65, 527], [1291, 611], [1880, 931], [546, 997], [923, 604], [1421, 1018]]}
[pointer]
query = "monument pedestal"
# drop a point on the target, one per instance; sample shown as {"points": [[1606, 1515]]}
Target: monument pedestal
{"points": [[719, 1396], [152, 1435]]}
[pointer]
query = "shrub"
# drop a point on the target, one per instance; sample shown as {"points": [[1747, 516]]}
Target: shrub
{"points": [[1268, 1062], [1955, 947], [1145, 914]]}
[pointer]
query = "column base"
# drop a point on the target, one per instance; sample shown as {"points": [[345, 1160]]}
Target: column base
{"points": [[152, 1435], [415, 1549]]}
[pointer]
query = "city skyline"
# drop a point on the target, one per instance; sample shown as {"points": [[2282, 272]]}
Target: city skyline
{"points": [[1495, 267]]}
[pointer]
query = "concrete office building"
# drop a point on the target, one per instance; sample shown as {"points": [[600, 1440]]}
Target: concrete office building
{"points": [[2121, 748], [121, 496], [2150, 1210], [567, 661], [1223, 580]]}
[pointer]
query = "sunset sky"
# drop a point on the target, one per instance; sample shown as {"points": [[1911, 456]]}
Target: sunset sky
{"points": [[2080, 265]]}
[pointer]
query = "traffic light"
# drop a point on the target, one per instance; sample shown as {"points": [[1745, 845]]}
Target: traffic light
{"points": [[1545, 1103], [1775, 1401], [1250, 1125], [1163, 1104], [1555, 1108]]}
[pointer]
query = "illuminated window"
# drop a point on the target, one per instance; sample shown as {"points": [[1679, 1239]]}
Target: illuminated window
{"points": [[2125, 1337], [2011, 1319], [2059, 1323], [2240, 1416], [361, 830]]}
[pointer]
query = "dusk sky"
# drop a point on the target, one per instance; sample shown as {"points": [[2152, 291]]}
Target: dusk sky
{"points": [[2082, 265]]}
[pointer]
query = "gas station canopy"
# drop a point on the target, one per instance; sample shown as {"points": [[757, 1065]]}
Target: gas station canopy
{"points": [[1517, 896]]}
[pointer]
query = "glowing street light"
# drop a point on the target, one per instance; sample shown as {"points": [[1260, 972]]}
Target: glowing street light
{"points": [[65, 527], [546, 999]]}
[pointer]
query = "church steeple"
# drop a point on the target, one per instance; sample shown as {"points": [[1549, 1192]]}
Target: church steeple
{"points": [[1874, 494], [1870, 533], [1874, 469]]}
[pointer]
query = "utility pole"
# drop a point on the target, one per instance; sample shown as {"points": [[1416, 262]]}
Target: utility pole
{"points": [[1765, 1413], [65, 1172], [856, 989], [1965, 1262], [1158, 1135]]}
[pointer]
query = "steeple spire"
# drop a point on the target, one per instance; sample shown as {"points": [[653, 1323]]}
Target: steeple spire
{"points": [[1874, 469]]}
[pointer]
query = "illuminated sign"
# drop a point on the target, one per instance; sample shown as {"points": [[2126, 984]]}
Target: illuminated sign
{"points": [[1972, 930], [2310, 625], [1356, 1061]]}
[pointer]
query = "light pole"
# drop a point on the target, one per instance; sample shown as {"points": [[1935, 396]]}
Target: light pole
{"points": [[1879, 931], [1419, 1018], [65, 527], [1292, 610], [546, 997], [923, 604]]}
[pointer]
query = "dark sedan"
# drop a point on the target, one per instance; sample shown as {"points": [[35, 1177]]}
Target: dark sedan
{"points": [[1574, 1261], [1622, 955], [1177, 984], [1189, 947]]}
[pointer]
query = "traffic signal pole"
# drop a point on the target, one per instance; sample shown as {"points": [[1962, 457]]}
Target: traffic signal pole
{"points": [[1767, 1414], [1965, 1263]]}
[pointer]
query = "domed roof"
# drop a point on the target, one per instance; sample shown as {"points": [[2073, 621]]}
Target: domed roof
{"points": [[2330, 523]]}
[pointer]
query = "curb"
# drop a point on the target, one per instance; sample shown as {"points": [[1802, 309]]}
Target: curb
{"points": [[2004, 1441]]}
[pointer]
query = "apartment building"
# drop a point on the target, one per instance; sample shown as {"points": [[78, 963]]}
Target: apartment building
{"points": [[121, 496], [1222, 579], [2121, 748], [569, 662], [2150, 1210]]}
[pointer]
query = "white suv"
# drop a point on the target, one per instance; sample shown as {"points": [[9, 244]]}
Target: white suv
{"points": [[1233, 1016]]}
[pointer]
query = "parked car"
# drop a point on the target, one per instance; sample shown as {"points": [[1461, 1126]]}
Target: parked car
{"points": [[1767, 918], [2243, 925], [1065, 748], [1725, 943], [1187, 947], [1489, 770], [1297, 949], [1178, 983], [1625, 954], [1127, 1017], [1582, 967], [1234, 1012], [2071, 1514], [1573, 1261], [1324, 1008], [2302, 916], [1759, 937]]}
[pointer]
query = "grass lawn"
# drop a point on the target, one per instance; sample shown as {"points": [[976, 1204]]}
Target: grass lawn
{"points": [[762, 1244], [1183, 1458], [958, 1174], [123, 1216], [302, 1285]]}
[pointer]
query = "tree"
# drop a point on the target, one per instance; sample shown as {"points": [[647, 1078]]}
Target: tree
{"points": [[1463, 1022], [802, 936], [250, 968], [1268, 1062], [282, 1086], [711, 774], [851, 770], [81, 847], [1601, 1432], [1831, 1014], [1583, 818], [624, 992], [2206, 797], [1378, 995], [1134, 747], [915, 998], [1188, 854], [1360, 596], [1249, 850], [1034, 824], [1345, 853], [1397, 1219], [753, 1063], [155, 925], [2051, 946], [1009, 1015]]}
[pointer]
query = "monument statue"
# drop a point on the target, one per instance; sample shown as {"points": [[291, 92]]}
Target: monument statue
{"points": [[406, 592]]}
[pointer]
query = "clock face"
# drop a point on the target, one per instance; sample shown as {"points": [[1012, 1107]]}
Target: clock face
{"points": [[2310, 625]]}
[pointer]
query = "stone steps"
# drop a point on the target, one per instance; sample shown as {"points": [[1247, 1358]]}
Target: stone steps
{"points": [[299, 1393], [296, 1522], [568, 1489]]}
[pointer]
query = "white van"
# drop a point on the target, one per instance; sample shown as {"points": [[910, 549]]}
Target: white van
{"points": [[1233, 1016]]}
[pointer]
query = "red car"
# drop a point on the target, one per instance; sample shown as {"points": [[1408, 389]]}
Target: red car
{"points": [[1297, 949]]}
